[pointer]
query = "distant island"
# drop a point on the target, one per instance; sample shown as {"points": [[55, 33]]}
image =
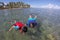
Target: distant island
{"points": [[13, 5]]}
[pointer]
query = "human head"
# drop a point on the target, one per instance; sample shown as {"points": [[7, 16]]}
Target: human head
{"points": [[24, 29]]}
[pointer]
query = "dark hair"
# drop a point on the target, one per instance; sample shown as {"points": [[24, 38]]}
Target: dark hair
{"points": [[24, 29]]}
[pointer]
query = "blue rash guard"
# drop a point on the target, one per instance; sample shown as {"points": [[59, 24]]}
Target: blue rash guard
{"points": [[31, 20]]}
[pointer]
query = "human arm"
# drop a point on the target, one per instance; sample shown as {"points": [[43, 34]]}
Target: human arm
{"points": [[10, 28], [35, 17], [30, 16]]}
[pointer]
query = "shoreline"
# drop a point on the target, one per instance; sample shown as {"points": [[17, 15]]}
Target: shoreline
{"points": [[9, 8]]}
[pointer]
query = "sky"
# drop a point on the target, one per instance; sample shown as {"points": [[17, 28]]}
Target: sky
{"points": [[38, 3]]}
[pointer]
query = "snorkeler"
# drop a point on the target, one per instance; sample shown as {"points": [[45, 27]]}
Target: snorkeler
{"points": [[32, 21], [19, 26]]}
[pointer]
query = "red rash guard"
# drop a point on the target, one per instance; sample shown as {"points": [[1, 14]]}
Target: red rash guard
{"points": [[20, 24]]}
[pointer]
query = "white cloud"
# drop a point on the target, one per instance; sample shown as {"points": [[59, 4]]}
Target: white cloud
{"points": [[51, 6]]}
